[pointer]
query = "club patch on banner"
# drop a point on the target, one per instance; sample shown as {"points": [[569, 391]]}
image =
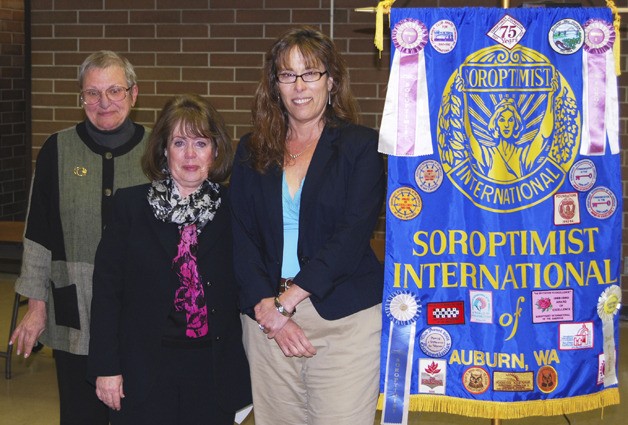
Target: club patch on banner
{"points": [[566, 209], [582, 175], [405, 203], [476, 380], [446, 313], [513, 381], [435, 341], [552, 306], [547, 379], [481, 306], [432, 376], [576, 336]]}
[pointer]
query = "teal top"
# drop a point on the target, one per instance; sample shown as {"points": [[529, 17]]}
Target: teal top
{"points": [[290, 206]]}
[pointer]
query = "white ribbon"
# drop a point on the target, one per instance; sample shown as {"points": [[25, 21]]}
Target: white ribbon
{"points": [[405, 127]]}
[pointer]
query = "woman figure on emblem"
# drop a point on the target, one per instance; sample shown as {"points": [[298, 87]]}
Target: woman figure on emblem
{"points": [[508, 157], [307, 189]]}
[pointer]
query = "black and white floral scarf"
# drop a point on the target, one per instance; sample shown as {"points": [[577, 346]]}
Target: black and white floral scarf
{"points": [[199, 208]]}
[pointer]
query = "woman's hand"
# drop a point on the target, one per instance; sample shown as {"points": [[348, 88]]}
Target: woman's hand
{"points": [[30, 328], [293, 342], [268, 318], [109, 391]]}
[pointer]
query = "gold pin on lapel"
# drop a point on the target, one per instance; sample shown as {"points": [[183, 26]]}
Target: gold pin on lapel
{"points": [[80, 171]]}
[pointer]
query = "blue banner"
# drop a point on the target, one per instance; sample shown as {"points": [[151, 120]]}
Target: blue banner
{"points": [[504, 213]]}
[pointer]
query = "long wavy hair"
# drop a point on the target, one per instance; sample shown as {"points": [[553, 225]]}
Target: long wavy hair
{"points": [[270, 117]]}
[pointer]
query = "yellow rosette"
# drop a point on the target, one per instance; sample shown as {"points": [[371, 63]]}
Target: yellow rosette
{"points": [[608, 304]]}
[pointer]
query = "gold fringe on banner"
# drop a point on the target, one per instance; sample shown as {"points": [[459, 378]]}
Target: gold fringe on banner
{"points": [[510, 410], [383, 7], [617, 44]]}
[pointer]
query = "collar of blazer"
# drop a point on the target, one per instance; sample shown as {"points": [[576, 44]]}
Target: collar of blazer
{"points": [[271, 184]]}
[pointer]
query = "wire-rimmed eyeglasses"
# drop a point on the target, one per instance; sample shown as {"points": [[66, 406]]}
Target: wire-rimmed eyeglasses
{"points": [[113, 93], [308, 77]]}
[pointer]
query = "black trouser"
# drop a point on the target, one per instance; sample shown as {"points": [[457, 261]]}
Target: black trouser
{"points": [[78, 403]]}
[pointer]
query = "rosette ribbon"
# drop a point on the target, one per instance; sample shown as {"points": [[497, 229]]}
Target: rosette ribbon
{"points": [[405, 127], [600, 111], [403, 309], [608, 305]]}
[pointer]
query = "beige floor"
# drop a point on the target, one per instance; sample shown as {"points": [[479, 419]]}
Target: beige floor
{"points": [[30, 397]]}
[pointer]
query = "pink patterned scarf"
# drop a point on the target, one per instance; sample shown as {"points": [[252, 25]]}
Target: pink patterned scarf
{"points": [[190, 297]]}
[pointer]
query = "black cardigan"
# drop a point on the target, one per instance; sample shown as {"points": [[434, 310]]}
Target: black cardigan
{"points": [[134, 290]]}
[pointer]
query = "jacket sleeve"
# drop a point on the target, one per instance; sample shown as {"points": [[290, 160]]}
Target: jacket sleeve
{"points": [[254, 282], [43, 226], [342, 254], [109, 280]]}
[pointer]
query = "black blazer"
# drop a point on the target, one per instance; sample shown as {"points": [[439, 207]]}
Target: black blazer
{"points": [[341, 201], [133, 295]]}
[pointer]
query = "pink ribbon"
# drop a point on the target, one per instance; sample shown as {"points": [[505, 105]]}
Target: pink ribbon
{"points": [[596, 96], [406, 118]]}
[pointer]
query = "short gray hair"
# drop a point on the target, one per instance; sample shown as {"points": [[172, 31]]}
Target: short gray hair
{"points": [[104, 59]]}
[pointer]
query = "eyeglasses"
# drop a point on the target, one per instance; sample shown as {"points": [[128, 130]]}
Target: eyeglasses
{"points": [[308, 77], [113, 93]]}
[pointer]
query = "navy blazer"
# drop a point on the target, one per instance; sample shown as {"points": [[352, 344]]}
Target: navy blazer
{"points": [[134, 286], [341, 200]]}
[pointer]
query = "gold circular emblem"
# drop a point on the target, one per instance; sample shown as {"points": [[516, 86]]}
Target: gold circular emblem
{"points": [[405, 203], [508, 128], [80, 171]]}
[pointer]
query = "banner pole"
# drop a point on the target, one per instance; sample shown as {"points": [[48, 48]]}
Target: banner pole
{"points": [[505, 5]]}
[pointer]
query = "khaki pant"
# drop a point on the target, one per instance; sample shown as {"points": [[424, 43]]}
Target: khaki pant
{"points": [[339, 385]]}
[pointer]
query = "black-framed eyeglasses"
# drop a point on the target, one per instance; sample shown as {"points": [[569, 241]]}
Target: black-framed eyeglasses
{"points": [[113, 93], [308, 77]]}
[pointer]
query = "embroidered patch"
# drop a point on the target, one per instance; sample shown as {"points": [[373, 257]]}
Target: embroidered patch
{"points": [[435, 341], [583, 175], [476, 380], [432, 376], [513, 381], [429, 175], [566, 36], [443, 36], [481, 306], [575, 336], [405, 203], [445, 313], [601, 202], [507, 32], [546, 379], [566, 208], [552, 306]]}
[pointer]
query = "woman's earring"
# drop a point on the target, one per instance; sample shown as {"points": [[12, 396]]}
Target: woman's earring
{"points": [[329, 97]]}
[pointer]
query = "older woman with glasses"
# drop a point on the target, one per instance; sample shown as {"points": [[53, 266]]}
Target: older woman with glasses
{"points": [[307, 189], [77, 171]]}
